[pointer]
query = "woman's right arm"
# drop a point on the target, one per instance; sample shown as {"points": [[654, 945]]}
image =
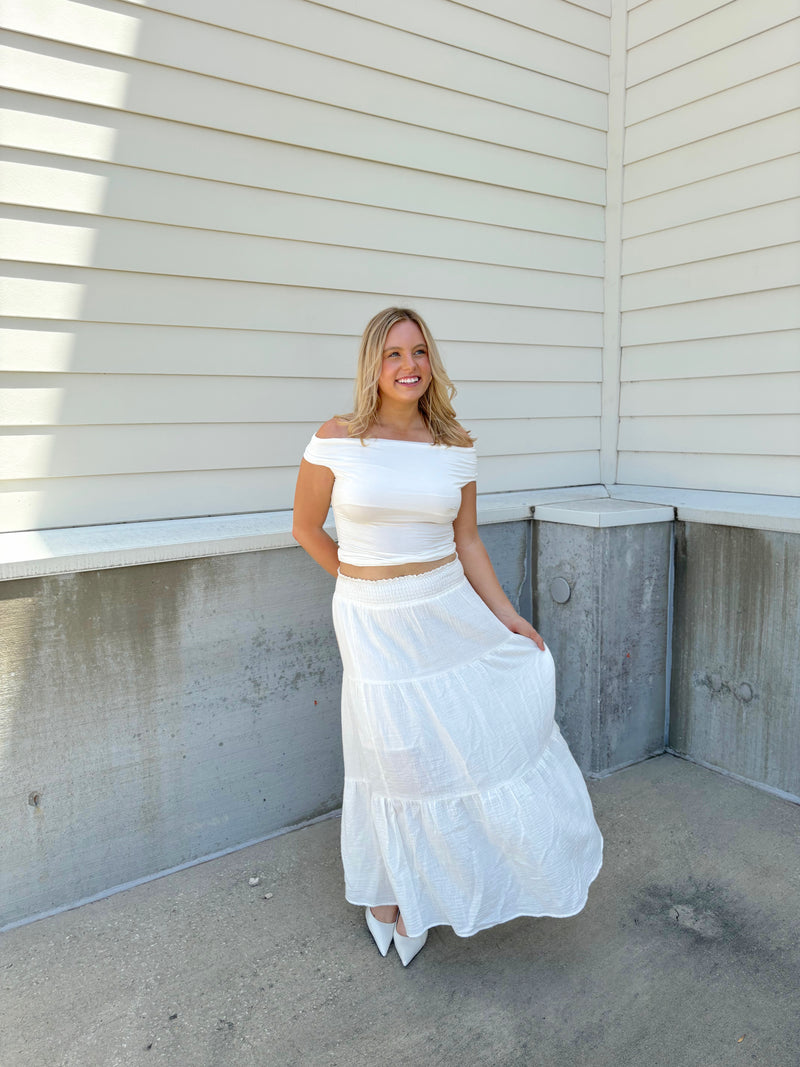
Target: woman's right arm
{"points": [[312, 499]]}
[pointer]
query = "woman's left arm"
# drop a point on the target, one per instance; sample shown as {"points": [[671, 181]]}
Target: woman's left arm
{"points": [[479, 570]]}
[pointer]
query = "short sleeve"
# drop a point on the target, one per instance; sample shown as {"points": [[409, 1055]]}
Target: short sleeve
{"points": [[316, 453], [465, 462]]}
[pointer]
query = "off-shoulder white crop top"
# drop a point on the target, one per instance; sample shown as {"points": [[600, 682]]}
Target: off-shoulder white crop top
{"points": [[393, 501]]}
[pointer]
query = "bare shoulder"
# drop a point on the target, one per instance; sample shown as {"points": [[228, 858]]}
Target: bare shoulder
{"points": [[335, 427]]}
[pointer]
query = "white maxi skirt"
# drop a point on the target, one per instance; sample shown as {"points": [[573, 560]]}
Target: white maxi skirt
{"points": [[462, 802]]}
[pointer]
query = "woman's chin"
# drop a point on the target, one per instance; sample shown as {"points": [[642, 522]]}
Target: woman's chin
{"points": [[403, 395]]}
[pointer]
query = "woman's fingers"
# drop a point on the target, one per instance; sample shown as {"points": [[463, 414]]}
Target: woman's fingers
{"points": [[523, 627]]}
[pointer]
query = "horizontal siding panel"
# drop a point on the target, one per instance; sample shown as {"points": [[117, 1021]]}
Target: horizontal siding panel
{"points": [[150, 248], [125, 348], [306, 72], [62, 127], [52, 502], [196, 100], [70, 451], [779, 475], [476, 32], [89, 399], [467, 360], [763, 435], [30, 290], [760, 141], [365, 42], [175, 200], [503, 437], [711, 32], [767, 268], [104, 399], [287, 106], [295, 79], [755, 56], [760, 227], [742, 314], [75, 451], [565, 21], [73, 129], [659, 16], [504, 134], [764, 183], [771, 353], [112, 348], [746, 394], [321, 30], [80, 130], [602, 7], [499, 474], [115, 29], [750, 102]]}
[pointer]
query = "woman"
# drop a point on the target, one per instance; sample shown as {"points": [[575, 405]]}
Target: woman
{"points": [[462, 803]]}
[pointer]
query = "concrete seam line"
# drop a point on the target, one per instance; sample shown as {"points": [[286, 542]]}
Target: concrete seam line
{"points": [[670, 618], [780, 794]]}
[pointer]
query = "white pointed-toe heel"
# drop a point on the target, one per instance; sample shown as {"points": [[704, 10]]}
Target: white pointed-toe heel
{"points": [[382, 933], [408, 947]]}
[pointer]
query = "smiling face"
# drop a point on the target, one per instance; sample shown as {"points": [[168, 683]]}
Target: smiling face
{"points": [[406, 370]]}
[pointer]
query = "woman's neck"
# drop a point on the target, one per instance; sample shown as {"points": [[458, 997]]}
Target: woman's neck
{"points": [[401, 422]]}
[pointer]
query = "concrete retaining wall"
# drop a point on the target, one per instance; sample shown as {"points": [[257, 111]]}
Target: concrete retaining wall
{"points": [[159, 714], [153, 715], [735, 700]]}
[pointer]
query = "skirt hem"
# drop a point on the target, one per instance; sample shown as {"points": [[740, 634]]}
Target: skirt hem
{"points": [[494, 922]]}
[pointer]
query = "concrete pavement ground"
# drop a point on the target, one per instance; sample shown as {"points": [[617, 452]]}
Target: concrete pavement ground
{"points": [[687, 954]]}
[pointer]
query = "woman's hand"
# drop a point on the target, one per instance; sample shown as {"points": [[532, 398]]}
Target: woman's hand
{"points": [[518, 625]]}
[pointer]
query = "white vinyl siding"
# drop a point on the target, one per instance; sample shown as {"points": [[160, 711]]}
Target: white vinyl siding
{"points": [[202, 218], [710, 371]]}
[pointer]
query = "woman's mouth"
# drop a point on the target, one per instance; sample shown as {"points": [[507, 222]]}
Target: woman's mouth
{"points": [[409, 381]]}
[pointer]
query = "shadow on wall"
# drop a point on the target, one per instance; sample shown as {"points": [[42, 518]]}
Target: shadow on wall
{"points": [[157, 368]]}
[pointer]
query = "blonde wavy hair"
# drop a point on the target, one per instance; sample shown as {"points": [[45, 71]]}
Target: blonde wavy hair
{"points": [[435, 404]]}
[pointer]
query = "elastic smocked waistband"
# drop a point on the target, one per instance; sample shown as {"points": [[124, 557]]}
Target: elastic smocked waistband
{"points": [[401, 590]]}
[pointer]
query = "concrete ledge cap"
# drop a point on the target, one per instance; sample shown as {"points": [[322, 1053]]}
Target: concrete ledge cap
{"points": [[751, 511], [36, 553], [603, 512], [512, 506]]}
